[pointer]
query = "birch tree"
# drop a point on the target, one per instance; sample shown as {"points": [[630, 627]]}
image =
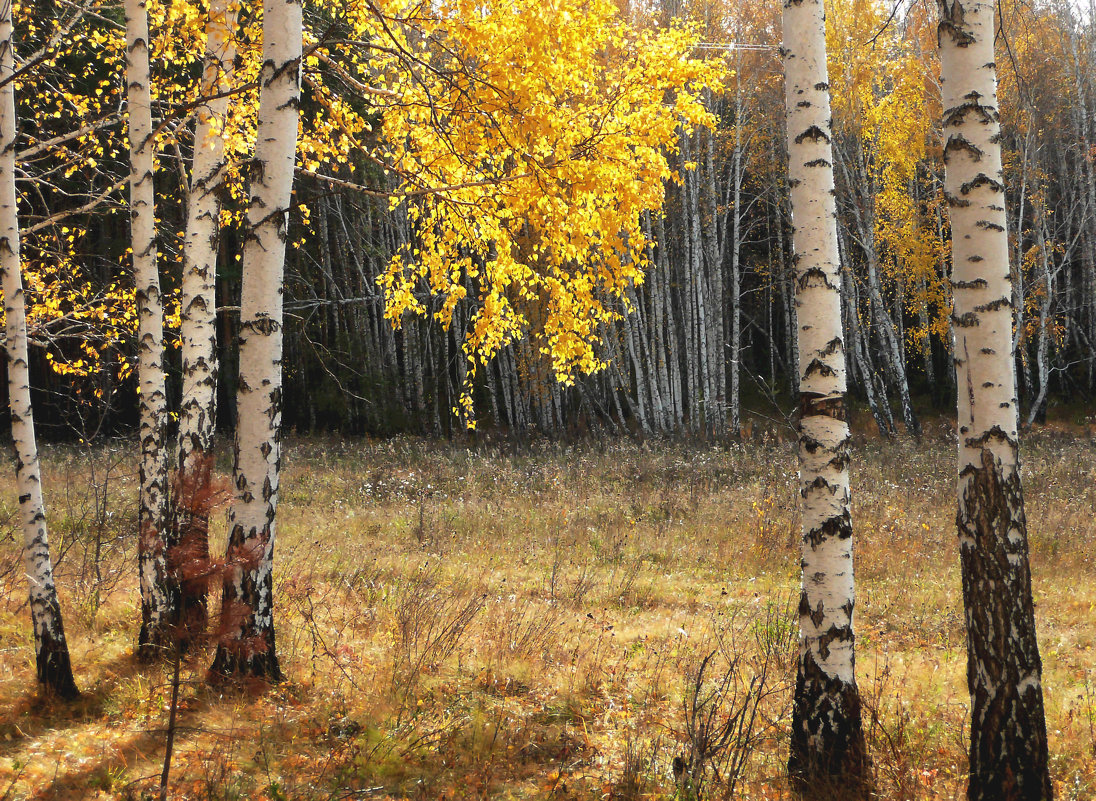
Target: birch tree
{"points": [[1008, 747], [246, 646], [198, 335], [827, 741], [50, 647], [157, 603]]}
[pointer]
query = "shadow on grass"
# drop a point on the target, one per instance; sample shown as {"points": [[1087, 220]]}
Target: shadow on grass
{"points": [[32, 713]]}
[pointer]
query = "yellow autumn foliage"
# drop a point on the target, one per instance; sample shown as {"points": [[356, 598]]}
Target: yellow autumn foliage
{"points": [[882, 82], [528, 140], [524, 140]]}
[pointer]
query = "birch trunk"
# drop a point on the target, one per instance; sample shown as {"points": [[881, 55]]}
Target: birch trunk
{"points": [[736, 265], [50, 648], [1008, 747], [1037, 412], [51, 654], [827, 740], [791, 313], [246, 647], [713, 240], [198, 329], [158, 601]]}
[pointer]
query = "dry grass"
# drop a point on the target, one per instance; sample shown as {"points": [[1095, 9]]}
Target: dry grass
{"points": [[501, 623]]}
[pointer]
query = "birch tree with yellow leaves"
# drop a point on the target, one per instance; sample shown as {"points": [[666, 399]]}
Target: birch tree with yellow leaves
{"points": [[52, 661], [526, 180]]}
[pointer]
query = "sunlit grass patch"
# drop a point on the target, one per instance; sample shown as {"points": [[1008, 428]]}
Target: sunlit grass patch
{"points": [[491, 622]]}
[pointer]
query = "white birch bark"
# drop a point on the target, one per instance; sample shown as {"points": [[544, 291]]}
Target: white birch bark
{"points": [[53, 666], [827, 741], [713, 241], [735, 421], [247, 646], [1042, 346], [198, 325], [1008, 748], [157, 601]]}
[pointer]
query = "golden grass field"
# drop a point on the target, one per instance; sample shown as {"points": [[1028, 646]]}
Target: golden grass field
{"points": [[489, 621]]}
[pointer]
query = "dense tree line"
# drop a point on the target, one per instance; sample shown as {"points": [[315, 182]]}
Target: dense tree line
{"points": [[607, 244], [714, 321]]}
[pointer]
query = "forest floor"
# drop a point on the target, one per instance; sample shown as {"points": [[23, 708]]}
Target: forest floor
{"points": [[501, 622]]}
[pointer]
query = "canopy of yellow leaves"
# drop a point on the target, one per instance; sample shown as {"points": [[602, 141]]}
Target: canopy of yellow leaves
{"points": [[528, 139], [885, 99], [523, 140]]}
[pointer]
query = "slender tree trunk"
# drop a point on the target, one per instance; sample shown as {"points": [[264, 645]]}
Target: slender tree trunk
{"points": [[1008, 747], [697, 287], [926, 340], [246, 646], [50, 647], [1037, 412], [1088, 182], [198, 329], [791, 311], [890, 338], [158, 601], [736, 264], [874, 389], [714, 250], [827, 741]]}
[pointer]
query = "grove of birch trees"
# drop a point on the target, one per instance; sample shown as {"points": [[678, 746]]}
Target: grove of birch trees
{"points": [[669, 222]]}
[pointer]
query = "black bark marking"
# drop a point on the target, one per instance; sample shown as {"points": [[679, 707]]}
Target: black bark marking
{"points": [[1008, 748], [955, 202], [815, 276], [957, 115], [819, 367], [958, 142], [815, 134], [828, 752], [994, 305], [981, 180]]}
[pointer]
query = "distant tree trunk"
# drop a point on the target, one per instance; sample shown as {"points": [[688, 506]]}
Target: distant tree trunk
{"points": [[158, 601], [891, 340], [874, 389], [1083, 132], [714, 240], [1037, 412], [735, 422], [791, 311], [1008, 747], [246, 647], [890, 353], [198, 328], [50, 647], [827, 740]]}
